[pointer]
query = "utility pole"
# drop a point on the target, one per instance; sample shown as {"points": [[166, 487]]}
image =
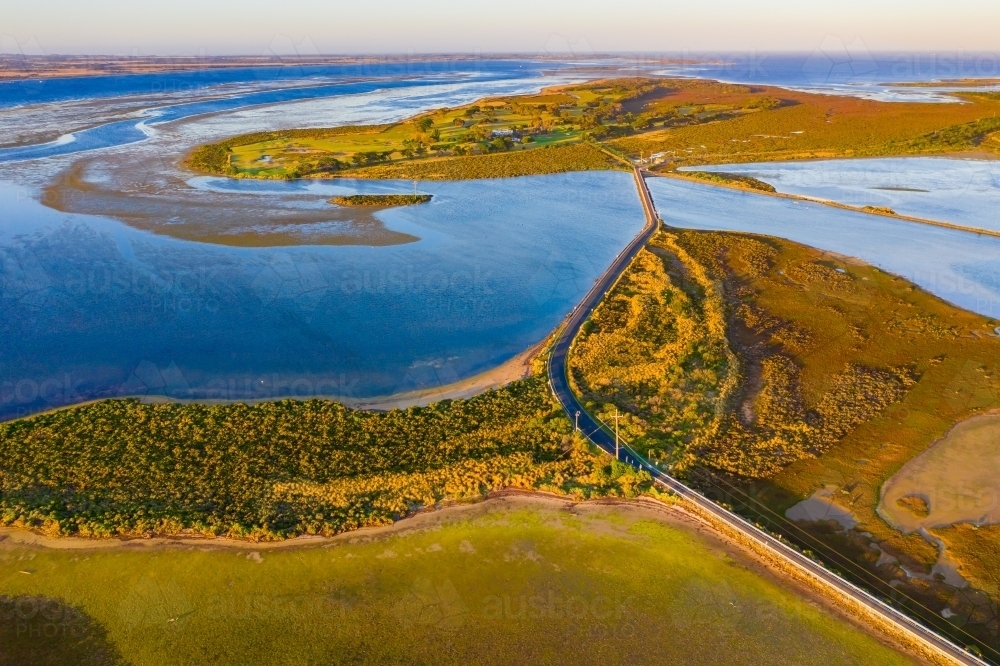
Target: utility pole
{"points": [[616, 434], [578, 420]]}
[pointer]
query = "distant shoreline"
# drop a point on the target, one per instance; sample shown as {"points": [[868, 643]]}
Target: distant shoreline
{"points": [[19, 67], [14, 68]]}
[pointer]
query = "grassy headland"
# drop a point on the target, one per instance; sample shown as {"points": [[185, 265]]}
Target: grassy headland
{"points": [[498, 137]]}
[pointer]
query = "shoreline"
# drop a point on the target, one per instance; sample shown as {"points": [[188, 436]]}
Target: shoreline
{"points": [[420, 519], [518, 367], [71, 67], [514, 369]]}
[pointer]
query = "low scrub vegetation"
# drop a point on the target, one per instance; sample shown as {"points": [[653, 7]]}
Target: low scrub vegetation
{"points": [[728, 124], [965, 136], [657, 349], [824, 373], [280, 469], [381, 199], [879, 210], [732, 179]]}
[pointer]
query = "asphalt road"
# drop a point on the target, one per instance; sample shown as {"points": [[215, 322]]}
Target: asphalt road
{"points": [[558, 377]]}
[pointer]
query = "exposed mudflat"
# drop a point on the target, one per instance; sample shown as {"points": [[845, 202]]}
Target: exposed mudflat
{"points": [[163, 203], [956, 480], [820, 506]]}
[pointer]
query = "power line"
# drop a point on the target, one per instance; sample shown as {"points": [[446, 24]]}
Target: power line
{"points": [[864, 574]]}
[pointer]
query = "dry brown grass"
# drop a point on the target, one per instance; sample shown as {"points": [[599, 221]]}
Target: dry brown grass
{"points": [[814, 126]]}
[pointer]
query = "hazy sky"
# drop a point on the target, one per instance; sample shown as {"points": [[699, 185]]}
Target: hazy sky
{"points": [[254, 27]]}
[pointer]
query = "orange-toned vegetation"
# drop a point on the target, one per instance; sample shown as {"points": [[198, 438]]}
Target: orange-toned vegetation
{"points": [[702, 123]]}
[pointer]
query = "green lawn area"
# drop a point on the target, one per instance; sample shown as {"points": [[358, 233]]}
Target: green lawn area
{"points": [[525, 583], [559, 116], [466, 130]]}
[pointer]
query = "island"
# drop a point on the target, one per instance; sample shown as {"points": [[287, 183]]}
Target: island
{"points": [[380, 200]]}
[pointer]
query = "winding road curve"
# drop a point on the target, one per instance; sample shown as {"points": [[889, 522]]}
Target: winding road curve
{"points": [[559, 379]]}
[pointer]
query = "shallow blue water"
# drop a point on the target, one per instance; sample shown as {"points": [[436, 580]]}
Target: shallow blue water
{"points": [[958, 266], [846, 69], [130, 131], [835, 65], [35, 91], [94, 308], [965, 192]]}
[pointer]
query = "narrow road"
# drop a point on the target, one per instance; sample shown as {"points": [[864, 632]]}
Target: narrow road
{"points": [[559, 379]]}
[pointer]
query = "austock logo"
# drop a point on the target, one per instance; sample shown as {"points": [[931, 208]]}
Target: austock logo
{"points": [[552, 605], [52, 391], [431, 605], [150, 379], [836, 60], [153, 602], [36, 629]]}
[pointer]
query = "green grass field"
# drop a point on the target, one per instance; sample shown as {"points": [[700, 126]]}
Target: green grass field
{"points": [[519, 125], [524, 585]]}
